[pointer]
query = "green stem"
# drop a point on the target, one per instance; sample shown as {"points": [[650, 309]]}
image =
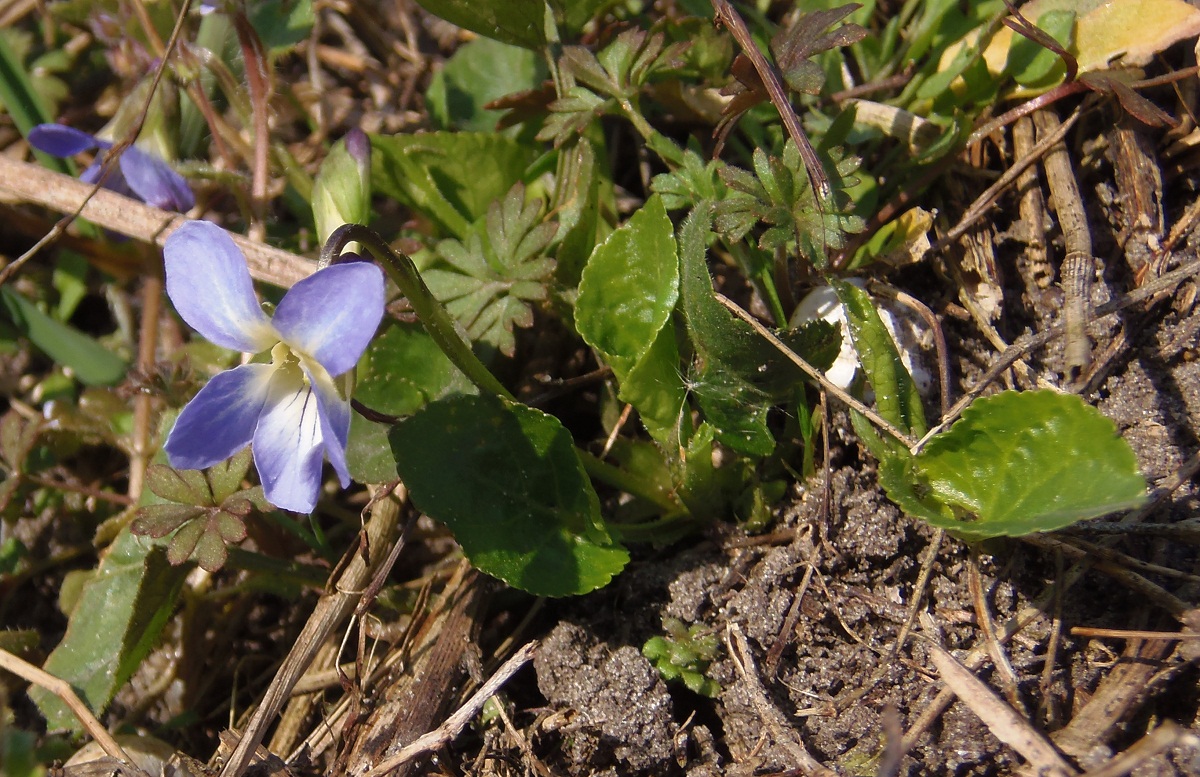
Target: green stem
{"points": [[433, 316], [667, 149], [630, 484], [650, 531]]}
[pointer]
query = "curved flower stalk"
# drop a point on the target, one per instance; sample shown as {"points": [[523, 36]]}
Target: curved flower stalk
{"points": [[291, 409], [137, 173]]}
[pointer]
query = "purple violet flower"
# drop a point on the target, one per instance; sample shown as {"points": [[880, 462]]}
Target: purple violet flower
{"points": [[290, 409], [137, 174]]}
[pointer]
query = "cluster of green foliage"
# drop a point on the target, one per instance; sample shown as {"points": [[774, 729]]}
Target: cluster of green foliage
{"points": [[522, 222]]}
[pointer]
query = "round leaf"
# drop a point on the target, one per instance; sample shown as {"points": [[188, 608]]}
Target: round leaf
{"points": [[507, 481], [1022, 462]]}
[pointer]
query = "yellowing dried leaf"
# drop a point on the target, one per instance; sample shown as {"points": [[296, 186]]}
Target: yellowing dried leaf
{"points": [[1126, 32]]}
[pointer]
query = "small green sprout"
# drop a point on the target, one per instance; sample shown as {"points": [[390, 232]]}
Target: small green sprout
{"points": [[685, 653]]}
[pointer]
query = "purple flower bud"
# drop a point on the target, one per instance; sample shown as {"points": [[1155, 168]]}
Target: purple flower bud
{"points": [[136, 174]]}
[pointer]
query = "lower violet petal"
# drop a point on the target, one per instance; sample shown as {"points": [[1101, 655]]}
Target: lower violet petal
{"points": [[114, 180], [155, 182], [335, 420], [220, 420], [288, 445]]}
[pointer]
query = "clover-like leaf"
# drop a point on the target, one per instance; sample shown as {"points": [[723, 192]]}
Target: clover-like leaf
{"points": [[489, 281]]}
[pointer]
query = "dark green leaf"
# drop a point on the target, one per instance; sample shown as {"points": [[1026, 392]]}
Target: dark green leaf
{"points": [[721, 339], [507, 481], [450, 177], [92, 363], [519, 22], [120, 614]]}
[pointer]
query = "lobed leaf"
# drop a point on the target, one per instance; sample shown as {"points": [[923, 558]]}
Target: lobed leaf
{"points": [[181, 486]]}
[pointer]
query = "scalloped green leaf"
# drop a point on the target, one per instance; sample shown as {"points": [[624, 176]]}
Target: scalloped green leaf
{"points": [[507, 481], [626, 297], [629, 287], [1016, 463]]}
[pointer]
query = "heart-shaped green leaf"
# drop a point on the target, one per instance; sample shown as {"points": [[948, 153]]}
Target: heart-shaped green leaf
{"points": [[507, 481], [1016, 463]]}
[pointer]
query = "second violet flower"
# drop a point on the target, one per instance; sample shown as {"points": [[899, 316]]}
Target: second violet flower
{"points": [[291, 409]]}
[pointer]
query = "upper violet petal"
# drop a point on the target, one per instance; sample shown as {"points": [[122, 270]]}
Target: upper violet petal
{"points": [[332, 314], [220, 420], [61, 140], [335, 420], [155, 182], [208, 281], [288, 445]]}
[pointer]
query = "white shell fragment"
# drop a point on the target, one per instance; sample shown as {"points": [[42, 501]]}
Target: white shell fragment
{"points": [[822, 303]]}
